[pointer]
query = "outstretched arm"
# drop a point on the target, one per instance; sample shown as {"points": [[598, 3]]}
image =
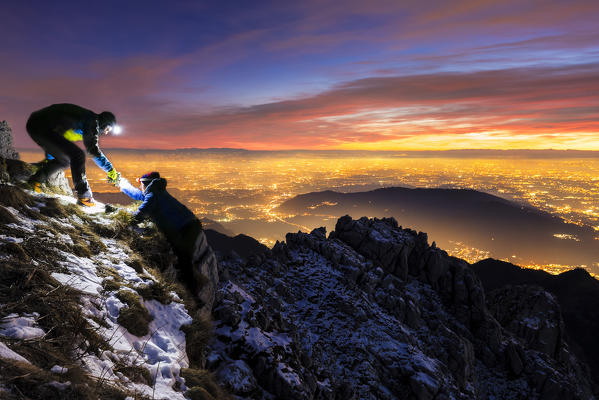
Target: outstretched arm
{"points": [[136, 194], [130, 190], [90, 140]]}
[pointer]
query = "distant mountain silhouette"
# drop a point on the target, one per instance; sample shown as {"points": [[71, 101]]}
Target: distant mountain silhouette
{"points": [[243, 245], [207, 223], [480, 220], [577, 293]]}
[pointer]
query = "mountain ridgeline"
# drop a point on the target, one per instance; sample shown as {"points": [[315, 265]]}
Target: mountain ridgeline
{"points": [[479, 220]]}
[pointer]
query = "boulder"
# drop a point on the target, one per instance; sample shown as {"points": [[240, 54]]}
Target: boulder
{"points": [[6, 144], [532, 314]]}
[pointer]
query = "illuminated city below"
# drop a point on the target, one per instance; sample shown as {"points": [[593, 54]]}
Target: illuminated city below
{"points": [[240, 190]]}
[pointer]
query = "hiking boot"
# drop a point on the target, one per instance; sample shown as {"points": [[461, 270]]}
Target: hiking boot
{"points": [[86, 202], [31, 185], [36, 187]]}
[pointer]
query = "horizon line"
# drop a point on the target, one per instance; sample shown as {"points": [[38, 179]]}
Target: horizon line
{"points": [[329, 150]]}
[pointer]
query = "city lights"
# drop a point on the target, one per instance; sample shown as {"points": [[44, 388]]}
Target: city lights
{"points": [[242, 192]]}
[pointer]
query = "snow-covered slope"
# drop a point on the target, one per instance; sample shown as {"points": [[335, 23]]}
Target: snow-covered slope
{"points": [[85, 311]]}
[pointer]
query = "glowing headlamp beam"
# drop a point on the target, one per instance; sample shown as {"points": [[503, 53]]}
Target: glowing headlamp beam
{"points": [[116, 130]]}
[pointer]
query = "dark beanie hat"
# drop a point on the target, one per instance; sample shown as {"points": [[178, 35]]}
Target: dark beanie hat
{"points": [[148, 177], [106, 118]]}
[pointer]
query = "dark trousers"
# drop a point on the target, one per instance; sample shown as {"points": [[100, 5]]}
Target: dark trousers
{"points": [[186, 245], [65, 153]]}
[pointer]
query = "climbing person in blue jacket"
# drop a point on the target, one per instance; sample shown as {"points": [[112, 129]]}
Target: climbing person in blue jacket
{"points": [[55, 129], [182, 228]]}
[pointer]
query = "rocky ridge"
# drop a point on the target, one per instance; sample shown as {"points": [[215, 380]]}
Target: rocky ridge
{"points": [[375, 312]]}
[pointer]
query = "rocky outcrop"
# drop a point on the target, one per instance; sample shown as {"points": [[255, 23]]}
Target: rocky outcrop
{"points": [[205, 271], [15, 171], [374, 312], [532, 314], [576, 291], [18, 172], [6, 144]]}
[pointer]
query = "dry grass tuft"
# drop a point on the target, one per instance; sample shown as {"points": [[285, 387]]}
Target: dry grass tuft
{"points": [[110, 285], [105, 272], [160, 291], [154, 248], [81, 250], [44, 249], [54, 209], [137, 264], [28, 381], [199, 393], [6, 217], [123, 216], [135, 317], [15, 197], [15, 250], [136, 374], [199, 378], [197, 337], [82, 233]]}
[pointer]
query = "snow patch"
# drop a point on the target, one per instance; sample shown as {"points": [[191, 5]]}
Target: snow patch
{"points": [[59, 385], [10, 239], [57, 369], [21, 327], [7, 353]]}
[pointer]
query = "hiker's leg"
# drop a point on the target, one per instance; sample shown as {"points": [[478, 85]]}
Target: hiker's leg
{"points": [[77, 157], [65, 153], [60, 160]]}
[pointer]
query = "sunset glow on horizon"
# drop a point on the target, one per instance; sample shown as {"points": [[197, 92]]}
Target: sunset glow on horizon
{"points": [[378, 75]]}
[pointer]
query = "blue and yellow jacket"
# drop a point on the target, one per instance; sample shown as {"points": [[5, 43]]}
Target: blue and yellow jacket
{"points": [[74, 123], [169, 215]]}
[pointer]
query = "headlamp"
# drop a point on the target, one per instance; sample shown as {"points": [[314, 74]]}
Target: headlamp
{"points": [[116, 130]]}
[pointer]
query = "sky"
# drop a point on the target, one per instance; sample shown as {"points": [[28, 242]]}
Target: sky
{"points": [[353, 74]]}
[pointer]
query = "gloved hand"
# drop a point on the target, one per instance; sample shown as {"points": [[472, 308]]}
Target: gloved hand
{"points": [[113, 177]]}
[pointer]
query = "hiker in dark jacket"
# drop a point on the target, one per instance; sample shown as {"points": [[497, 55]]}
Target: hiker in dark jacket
{"points": [[55, 129], [180, 226]]}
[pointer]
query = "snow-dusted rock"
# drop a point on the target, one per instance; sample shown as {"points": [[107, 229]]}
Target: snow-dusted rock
{"points": [[532, 314], [374, 312], [17, 171]]}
